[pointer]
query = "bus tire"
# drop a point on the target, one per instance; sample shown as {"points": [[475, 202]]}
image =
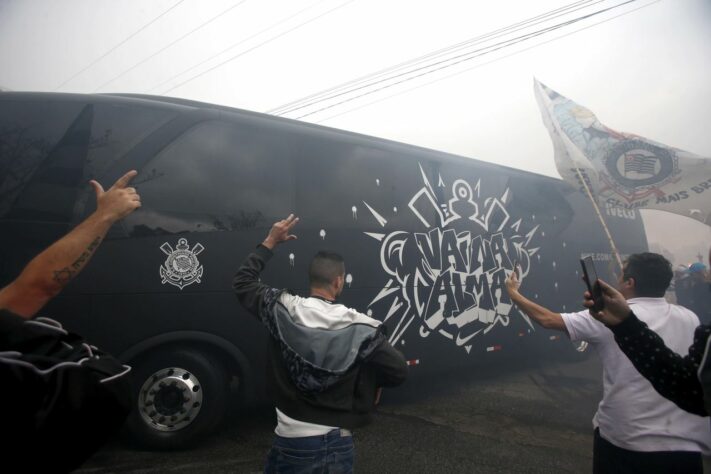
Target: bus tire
{"points": [[180, 395]]}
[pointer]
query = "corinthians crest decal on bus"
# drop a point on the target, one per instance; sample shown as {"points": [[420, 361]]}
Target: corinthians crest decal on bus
{"points": [[182, 267], [449, 277]]}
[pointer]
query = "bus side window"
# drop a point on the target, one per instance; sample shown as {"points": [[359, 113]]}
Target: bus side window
{"points": [[42, 148], [353, 185], [218, 175], [42, 151], [115, 130]]}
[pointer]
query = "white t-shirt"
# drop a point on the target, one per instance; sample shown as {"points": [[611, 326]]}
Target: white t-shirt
{"points": [[315, 313], [631, 414], [288, 427]]}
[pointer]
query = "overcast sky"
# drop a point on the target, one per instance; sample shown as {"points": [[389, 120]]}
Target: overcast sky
{"points": [[645, 68]]}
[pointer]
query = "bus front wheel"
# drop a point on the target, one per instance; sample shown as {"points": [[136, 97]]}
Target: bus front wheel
{"points": [[180, 395]]}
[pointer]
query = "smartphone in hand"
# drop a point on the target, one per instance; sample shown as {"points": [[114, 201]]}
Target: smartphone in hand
{"points": [[590, 277]]}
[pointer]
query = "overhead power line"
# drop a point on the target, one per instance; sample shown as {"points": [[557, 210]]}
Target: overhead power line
{"points": [[547, 16], [118, 45], [436, 66], [170, 44], [486, 63], [234, 45], [255, 47]]}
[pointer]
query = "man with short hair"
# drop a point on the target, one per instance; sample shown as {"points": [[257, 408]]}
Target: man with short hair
{"points": [[327, 361], [683, 379], [636, 430]]}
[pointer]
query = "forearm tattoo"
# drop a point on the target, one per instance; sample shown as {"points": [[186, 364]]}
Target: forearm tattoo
{"points": [[64, 275]]}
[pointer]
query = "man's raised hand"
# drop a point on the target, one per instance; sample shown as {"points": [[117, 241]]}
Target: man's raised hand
{"points": [[512, 282], [280, 232], [616, 308], [119, 201]]}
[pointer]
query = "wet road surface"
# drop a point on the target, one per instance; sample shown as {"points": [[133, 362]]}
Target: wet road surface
{"points": [[533, 419]]}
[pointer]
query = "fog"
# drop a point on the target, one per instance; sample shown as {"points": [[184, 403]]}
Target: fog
{"points": [[642, 68]]}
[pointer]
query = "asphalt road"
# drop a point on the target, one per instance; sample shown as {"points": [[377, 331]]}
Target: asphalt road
{"points": [[534, 418]]}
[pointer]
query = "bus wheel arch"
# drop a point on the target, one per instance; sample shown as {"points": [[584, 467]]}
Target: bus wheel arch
{"points": [[181, 386]]}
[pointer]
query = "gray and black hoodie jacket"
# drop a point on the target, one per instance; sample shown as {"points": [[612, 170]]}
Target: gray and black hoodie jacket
{"points": [[326, 374]]}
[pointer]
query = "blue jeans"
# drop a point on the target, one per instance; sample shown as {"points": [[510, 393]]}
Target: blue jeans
{"points": [[329, 453]]}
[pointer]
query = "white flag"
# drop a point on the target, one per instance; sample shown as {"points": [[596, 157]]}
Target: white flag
{"points": [[621, 169]]}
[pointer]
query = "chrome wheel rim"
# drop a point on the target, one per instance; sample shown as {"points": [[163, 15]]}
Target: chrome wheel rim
{"points": [[170, 399]]}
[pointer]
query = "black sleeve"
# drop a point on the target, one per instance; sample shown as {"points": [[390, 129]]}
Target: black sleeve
{"points": [[389, 365], [62, 397], [246, 284], [673, 376]]}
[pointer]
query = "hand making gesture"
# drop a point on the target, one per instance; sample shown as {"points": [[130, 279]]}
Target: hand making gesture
{"points": [[512, 282], [119, 201], [280, 232]]}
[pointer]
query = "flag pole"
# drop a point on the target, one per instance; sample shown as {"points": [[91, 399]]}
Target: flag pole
{"points": [[599, 215]]}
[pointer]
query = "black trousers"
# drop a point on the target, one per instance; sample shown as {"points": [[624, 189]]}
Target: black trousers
{"points": [[610, 459]]}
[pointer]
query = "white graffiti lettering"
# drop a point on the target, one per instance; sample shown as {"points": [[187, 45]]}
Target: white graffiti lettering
{"points": [[451, 277]]}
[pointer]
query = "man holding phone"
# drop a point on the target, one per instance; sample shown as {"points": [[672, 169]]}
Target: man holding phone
{"points": [[590, 279], [636, 430]]}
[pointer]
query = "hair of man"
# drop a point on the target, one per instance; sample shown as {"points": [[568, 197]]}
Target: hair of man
{"points": [[652, 274], [325, 268]]}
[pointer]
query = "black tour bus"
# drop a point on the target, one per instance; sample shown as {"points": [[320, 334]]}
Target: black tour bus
{"points": [[428, 240]]}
